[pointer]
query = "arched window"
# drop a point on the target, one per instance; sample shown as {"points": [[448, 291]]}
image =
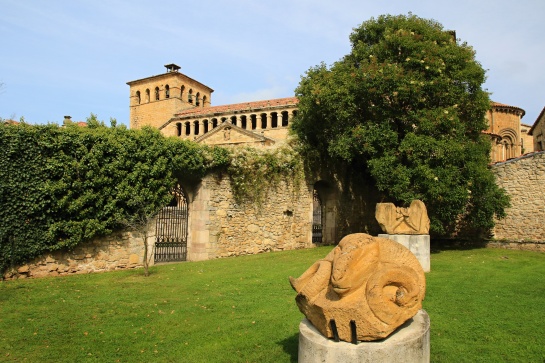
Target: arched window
{"points": [[263, 120], [197, 99], [187, 127], [508, 143], [243, 122], [196, 127], [179, 129], [205, 126], [182, 89], [285, 119], [156, 93], [234, 120], [138, 100], [274, 120], [204, 101], [253, 121], [167, 91], [147, 95], [190, 96], [214, 122]]}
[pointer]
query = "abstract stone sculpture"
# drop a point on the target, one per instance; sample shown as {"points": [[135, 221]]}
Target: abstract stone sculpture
{"points": [[398, 220], [374, 282]]}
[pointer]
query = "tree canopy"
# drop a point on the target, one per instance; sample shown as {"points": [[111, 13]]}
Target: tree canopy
{"points": [[407, 106]]}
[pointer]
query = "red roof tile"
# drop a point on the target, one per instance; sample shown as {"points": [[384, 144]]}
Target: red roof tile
{"points": [[239, 106]]}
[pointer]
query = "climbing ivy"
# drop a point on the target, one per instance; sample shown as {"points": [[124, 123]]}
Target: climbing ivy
{"points": [[63, 185], [255, 172], [60, 186]]}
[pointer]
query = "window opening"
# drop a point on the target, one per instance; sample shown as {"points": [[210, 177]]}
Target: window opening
{"points": [[196, 124], [285, 119], [274, 120]]}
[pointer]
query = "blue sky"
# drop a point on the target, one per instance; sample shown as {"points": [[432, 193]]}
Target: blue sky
{"points": [[63, 57]]}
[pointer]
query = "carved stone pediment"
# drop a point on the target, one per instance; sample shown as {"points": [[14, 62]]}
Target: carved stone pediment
{"points": [[227, 133]]}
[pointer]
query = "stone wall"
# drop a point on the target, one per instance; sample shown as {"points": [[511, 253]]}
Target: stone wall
{"points": [[524, 179], [117, 251], [221, 226]]}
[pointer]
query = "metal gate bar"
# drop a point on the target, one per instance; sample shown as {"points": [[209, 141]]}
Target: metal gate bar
{"points": [[317, 221], [171, 230]]}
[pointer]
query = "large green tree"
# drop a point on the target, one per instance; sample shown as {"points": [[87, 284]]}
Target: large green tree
{"points": [[407, 106]]}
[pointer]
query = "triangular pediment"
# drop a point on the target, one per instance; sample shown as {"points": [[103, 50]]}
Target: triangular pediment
{"points": [[227, 133]]}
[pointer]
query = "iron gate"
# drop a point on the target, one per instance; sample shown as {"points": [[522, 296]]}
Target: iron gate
{"points": [[171, 229], [317, 224]]}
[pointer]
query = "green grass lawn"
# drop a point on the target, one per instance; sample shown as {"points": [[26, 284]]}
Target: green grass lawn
{"points": [[485, 305]]}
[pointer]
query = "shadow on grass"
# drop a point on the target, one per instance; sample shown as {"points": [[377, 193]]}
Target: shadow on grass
{"points": [[291, 346], [438, 245]]}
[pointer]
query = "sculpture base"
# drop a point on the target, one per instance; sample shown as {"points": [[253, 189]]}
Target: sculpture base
{"points": [[418, 244], [410, 343]]}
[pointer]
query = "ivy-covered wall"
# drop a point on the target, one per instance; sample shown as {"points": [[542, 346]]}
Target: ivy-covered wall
{"points": [[60, 186], [63, 189]]}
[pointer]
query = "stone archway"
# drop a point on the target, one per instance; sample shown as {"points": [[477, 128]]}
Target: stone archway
{"points": [[323, 213], [171, 229]]}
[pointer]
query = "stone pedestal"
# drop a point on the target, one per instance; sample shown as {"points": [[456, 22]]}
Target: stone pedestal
{"points": [[410, 343], [418, 244]]}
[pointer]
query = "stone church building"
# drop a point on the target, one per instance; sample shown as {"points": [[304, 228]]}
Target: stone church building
{"points": [[204, 220], [217, 226], [180, 106]]}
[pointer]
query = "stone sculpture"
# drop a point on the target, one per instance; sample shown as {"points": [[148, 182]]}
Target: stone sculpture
{"points": [[368, 286], [398, 220]]}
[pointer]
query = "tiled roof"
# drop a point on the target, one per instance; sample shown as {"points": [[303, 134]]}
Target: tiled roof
{"points": [[239, 107], [502, 105]]}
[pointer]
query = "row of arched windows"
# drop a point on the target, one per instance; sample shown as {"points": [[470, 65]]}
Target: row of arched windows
{"points": [[252, 122], [192, 98]]}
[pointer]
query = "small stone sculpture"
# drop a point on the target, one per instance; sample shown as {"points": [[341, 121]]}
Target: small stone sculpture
{"points": [[367, 285], [398, 220]]}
